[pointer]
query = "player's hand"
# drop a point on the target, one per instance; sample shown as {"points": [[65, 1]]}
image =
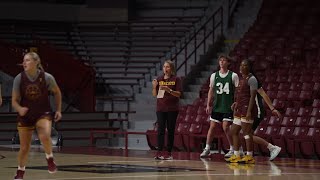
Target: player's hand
{"points": [[276, 112], [23, 111], [234, 106], [166, 88], [248, 116], [57, 116], [208, 110], [154, 83]]}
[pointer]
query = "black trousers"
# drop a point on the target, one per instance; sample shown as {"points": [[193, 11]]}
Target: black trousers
{"points": [[166, 120]]}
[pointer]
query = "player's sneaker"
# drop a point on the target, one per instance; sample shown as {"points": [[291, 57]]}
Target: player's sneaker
{"points": [[205, 153], [274, 152], [52, 167], [233, 159], [19, 175], [247, 160], [229, 154]]}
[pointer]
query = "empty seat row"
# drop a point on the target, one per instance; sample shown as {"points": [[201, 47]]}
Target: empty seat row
{"points": [[288, 121], [294, 141]]}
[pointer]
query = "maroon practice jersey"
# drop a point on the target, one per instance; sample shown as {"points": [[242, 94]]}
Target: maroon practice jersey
{"points": [[34, 96], [243, 99]]}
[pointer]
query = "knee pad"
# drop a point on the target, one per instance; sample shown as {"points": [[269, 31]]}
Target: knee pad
{"points": [[246, 137]]}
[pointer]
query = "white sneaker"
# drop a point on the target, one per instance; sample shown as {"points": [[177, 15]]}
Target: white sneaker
{"points": [[229, 154], [274, 152], [205, 153]]}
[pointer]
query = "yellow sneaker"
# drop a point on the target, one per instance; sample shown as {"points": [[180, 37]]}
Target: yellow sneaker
{"points": [[233, 159], [247, 160]]}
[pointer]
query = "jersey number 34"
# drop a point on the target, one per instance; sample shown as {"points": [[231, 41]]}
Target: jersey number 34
{"points": [[223, 89]]}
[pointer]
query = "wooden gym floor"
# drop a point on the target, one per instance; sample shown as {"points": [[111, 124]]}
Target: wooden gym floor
{"points": [[90, 163]]}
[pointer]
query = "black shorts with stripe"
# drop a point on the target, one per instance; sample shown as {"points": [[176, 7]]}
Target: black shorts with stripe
{"points": [[219, 117]]}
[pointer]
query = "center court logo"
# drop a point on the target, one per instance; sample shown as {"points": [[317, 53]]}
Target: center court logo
{"points": [[116, 168]]}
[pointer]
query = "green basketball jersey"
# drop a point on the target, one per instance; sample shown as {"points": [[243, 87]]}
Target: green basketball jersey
{"points": [[223, 93]]}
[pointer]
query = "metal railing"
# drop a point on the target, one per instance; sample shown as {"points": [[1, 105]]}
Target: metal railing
{"points": [[209, 27]]}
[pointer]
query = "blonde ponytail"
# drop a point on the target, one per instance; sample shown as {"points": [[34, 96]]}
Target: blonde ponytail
{"points": [[40, 67]]}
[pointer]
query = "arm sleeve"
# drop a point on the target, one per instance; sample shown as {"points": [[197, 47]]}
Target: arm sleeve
{"points": [[16, 84], [212, 78], [235, 79], [253, 83], [178, 84], [51, 82]]}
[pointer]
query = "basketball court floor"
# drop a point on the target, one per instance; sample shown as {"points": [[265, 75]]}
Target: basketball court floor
{"points": [[91, 163]]}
